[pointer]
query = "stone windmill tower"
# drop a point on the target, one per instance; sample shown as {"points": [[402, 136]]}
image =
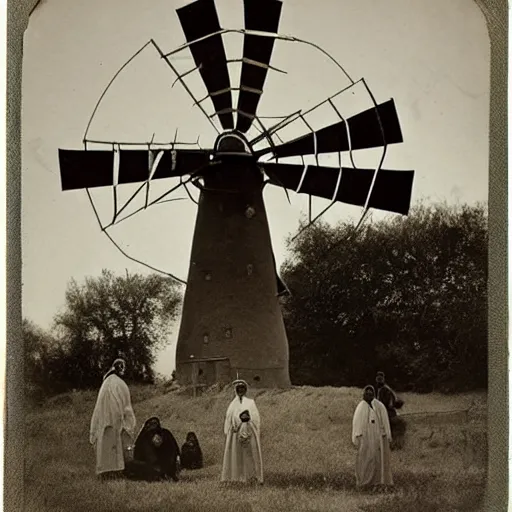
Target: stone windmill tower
{"points": [[231, 321]]}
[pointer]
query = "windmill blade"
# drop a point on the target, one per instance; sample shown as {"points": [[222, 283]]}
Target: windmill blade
{"points": [[391, 191], [200, 19], [371, 128], [81, 169], [262, 16]]}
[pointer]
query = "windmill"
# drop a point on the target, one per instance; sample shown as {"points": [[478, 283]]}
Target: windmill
{"points": [[231, 311]]}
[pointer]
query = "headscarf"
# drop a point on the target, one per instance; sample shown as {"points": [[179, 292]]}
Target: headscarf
{"points": [[192, 438], [369, 387], [113, 406], [240, 382], [115, 368], [153, 419], [145, 437], [144, 427], [374, 395]]}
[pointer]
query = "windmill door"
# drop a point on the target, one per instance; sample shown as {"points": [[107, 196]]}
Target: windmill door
{"points": [[204, 373]]}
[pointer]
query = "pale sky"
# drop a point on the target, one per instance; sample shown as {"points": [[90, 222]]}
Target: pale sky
{"points": [[431, 56]]}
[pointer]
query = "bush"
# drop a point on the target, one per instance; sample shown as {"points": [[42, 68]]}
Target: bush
{"points": [[407, 296]]}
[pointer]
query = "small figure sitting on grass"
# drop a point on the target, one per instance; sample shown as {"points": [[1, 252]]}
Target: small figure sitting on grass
{"points": [[191, 454]]}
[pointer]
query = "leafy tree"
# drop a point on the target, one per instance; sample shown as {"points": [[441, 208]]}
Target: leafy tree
{"points": [[115, 316], [408, 296], [35, 348], [43, 362]]}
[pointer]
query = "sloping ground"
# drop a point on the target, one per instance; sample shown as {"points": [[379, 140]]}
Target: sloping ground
{"points": [[308, 456]]}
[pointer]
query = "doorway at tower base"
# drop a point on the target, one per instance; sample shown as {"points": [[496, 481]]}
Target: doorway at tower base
{"points": [[203, 373]]}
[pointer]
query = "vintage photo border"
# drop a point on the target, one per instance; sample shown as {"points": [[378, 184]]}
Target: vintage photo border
{"points": [[496, 14]]}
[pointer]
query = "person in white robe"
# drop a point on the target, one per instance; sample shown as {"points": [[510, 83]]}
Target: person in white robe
{"points": [[113, 422], [371, 434], [242, 453]]}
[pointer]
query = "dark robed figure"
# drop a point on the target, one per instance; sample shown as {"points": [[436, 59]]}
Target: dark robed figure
{"points": [[391, 402], [191, 454], [155, 454]]}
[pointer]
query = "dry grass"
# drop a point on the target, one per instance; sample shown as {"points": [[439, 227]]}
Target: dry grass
{"points": [[308, 457]]}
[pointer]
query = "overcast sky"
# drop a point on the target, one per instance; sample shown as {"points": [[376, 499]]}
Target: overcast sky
{"points": [[431, 56]]}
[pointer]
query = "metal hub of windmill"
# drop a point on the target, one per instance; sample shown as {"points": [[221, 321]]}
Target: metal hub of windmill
{"points": [[231, 322], [232, 144]]}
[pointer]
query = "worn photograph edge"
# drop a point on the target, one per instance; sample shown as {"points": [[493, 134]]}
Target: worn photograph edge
{"points": [[496, 14]]}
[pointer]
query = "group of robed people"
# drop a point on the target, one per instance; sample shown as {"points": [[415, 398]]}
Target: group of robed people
{"points": [[155, 454]]}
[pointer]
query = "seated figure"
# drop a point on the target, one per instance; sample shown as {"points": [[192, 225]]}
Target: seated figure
{"points": [[191, 454], [155, 455]]}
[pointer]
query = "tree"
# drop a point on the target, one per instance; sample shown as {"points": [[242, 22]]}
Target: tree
{"points": [[408, 296], [43, 362], [35, 348], [115, 316]]}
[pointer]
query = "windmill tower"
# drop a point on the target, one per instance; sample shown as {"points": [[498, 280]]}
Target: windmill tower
{"points": [[231, 312]]}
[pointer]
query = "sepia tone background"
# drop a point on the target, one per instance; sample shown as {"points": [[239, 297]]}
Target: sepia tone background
{"points": [[440, 82], [496, 15]]}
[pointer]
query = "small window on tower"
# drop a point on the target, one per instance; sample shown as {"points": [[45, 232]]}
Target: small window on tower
{"points": [[229, 332], [257, 378], [206, 339]]}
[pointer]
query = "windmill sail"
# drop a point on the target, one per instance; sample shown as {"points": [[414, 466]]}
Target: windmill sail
{"points": [[391, 191], [262, 16], [233, 281], [81, 169], [371, 128], [200, 19]]}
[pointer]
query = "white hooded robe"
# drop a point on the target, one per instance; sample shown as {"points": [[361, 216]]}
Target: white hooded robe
{"points": [[112, 423], [371, 435], [242, 452]]}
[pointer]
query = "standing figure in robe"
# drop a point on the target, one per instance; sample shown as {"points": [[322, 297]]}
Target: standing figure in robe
{"points": [[242, 453], [388, 397], [112, 423], [371, 434]]}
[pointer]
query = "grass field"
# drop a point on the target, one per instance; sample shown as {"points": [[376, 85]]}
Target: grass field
{"points": [[308, 456]]}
